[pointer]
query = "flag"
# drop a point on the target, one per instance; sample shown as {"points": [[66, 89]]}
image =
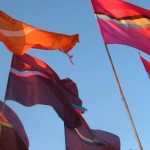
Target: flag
{"points": [[31, 81], [71, 87], [146, 65], [13, 135], [19, 37], [84, 138], [123, 23]]}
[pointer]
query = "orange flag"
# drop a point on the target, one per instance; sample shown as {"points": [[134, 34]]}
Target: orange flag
{"points": [[19, 37]]}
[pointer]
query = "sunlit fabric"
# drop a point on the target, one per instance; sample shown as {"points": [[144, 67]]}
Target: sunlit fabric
{"points": [[33, 82], [19, 37], [123, 23]]}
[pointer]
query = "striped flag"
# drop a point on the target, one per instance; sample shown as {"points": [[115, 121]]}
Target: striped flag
{"points": [[84, 138], [123, 23], [13, 135], [32, 82], [19, 37]]}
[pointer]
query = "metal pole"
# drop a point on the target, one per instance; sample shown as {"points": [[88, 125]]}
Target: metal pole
{"points": [[124, 100]]}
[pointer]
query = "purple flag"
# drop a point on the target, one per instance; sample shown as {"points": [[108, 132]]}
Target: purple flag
{"points": [[33, 82], [13, 135], [84, 138]]}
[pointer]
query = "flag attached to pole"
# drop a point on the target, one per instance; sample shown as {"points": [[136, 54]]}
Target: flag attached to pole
{"points": [[84, 138], [13, 135], [31, 81], [123, 23], [19, 37], [146, 65]]}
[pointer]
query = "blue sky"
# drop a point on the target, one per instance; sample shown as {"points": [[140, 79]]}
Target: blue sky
{"points": [[92, 73]]}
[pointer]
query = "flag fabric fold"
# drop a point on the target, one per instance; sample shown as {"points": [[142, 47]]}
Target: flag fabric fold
{"points": [[146, 65], [71, 87], [121, 22], [19, 37], [31, 81], [84, 138], [13, 135]]}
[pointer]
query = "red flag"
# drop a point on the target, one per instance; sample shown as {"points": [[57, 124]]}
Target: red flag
{"points": [[146, 65], [33, 82], [83, 138], [13, 135], [19, 37], [123, 23]]}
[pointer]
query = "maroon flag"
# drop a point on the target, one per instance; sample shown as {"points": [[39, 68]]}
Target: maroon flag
{"points": [[71, 87], [84, 138], [121, 22], [33, 82], [146, 65], [13, 135]]}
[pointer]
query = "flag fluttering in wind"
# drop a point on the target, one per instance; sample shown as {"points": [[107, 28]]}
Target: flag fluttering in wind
{"points": [[19, 37], [84, 138], [123, 23], [13, 135], [146, 65], [71, 87], [31, 81]]}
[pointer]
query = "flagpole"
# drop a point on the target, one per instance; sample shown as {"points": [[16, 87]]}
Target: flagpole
{"points": [[124, 100], [65, 137], [122, 95], [3, 107]]}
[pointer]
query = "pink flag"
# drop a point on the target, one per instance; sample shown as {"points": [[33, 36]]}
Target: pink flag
{"points": [[146, 65], [123, 23]]}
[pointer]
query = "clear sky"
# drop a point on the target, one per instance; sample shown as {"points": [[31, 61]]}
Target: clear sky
{"points": [[92, 73]]}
